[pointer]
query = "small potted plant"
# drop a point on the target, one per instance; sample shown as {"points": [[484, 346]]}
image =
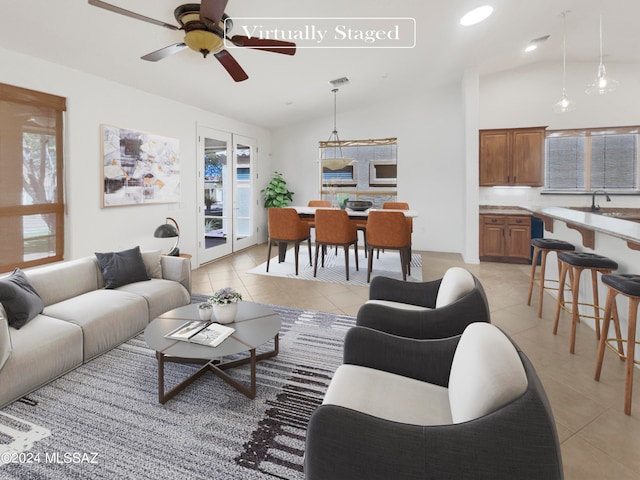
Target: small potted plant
{"points": [[204, 311], [276, 194], [225, 304]]}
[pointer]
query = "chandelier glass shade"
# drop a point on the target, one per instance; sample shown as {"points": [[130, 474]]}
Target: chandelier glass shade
{"points": [[602, 83], [564, 104], [338, 160]]}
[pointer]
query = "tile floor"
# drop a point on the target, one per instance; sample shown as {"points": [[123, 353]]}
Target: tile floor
{"points": [[598, 440]]}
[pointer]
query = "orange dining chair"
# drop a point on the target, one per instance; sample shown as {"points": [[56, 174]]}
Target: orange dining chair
{"points": [[285, 226], [398, 206], [317, 204], [389, 230], [334, 228]]}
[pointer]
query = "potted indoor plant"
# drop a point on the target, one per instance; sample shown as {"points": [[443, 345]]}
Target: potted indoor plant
{"points": [[204, 311], [225, 304], [276, 194]]}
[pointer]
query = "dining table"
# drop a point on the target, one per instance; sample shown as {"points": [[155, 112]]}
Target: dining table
{"points": [[307, 212]]}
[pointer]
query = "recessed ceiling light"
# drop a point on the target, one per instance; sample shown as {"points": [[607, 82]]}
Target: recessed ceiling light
{"points": [[530, 48], [476, 15]]}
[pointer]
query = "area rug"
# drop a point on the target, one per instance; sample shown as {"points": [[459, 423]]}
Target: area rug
{"points": [[388, 265], [103, 420]]}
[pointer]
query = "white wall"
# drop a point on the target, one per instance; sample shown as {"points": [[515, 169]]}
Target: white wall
{"points": [[431, 158], [525, 97], [92, 101]]}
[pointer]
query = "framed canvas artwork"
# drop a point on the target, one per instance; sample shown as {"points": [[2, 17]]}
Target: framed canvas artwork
{"points": [[138, 167]]}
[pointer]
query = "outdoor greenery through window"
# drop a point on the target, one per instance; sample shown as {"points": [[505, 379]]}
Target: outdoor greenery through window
{"points": [[592, 159], [31, 196]]}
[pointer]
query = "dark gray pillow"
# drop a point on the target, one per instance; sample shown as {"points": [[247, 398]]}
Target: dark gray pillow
{"points": [[121, 268], [20, 300]]}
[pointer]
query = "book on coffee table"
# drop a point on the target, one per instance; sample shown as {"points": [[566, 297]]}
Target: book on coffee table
{"points": [[204, 333]]}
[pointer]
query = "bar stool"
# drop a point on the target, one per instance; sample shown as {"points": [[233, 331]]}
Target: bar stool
{"points": [[542, 246], [575, 263], [629, 286]]}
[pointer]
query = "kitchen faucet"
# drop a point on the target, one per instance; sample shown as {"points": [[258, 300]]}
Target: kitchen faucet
{"points": [[594, 207]]}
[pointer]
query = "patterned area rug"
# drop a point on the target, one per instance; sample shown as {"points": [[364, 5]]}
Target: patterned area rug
{"points": [[388, 265], [103, 420]]}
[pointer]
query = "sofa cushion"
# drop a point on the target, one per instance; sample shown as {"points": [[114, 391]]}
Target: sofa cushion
{"points": [[152, 263], [44, 349], [19, 298], [456, 283], [121, 268], [5, 338], [388, 396], [161, 295], [107, 318], [486, 373], [59, 281]]}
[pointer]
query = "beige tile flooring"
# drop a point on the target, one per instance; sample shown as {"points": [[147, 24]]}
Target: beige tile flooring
{"points": [[598, 440]]}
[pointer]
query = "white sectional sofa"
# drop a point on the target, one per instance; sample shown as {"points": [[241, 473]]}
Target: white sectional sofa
{"points": [[82, 319]]}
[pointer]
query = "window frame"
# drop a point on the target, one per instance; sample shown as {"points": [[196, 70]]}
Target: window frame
{"points": [[32, 98], [588, 134]]}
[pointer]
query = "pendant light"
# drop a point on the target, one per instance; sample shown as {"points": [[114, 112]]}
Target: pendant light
{"points": [[338, 161], [602, 84], [564, 104]]}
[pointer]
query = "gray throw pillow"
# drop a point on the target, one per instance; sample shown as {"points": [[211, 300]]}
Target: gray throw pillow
{"points": [[122, 268], [19, 298]]}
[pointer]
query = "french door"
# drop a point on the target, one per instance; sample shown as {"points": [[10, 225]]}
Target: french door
{"points": [[227, 197]]}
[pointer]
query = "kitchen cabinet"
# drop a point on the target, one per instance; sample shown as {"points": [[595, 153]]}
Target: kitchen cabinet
{"points": [[505, 238], [512, 157]]}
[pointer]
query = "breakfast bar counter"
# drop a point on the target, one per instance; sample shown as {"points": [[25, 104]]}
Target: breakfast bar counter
{"points": [[605, 232], [610, 222]]}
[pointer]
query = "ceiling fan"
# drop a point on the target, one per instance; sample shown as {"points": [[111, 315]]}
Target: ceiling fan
{"points": [[206, 28]]}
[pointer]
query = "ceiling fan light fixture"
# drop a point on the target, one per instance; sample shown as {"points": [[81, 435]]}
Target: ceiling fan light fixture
{"points": [[203, 41]]}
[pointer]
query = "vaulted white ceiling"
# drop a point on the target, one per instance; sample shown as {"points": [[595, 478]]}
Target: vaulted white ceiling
{"points": [[282, 89]]}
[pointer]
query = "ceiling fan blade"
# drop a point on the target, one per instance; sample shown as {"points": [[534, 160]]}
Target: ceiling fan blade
{"points": [[212, 9], [275, 46], [128, 13], [231, 65], [164, 52]]}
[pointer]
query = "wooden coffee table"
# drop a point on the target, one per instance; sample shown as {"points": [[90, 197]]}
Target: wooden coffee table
{"points": [[255, 325]]}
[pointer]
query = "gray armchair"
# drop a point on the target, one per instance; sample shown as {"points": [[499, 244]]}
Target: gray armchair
{"points": [[406, 409], [437, 309]]}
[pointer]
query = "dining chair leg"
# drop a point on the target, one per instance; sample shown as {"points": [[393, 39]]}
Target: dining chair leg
{"points": [[370, 263], [268, 254], [346, 260], [296, 250], [315, 262], [355, 252], [309, 245]]}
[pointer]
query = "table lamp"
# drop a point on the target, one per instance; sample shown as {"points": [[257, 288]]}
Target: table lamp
{"points": [[166, 230]]}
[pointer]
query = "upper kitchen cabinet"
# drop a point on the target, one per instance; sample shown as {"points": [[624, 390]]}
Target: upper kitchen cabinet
{"points": [[512, 157]]}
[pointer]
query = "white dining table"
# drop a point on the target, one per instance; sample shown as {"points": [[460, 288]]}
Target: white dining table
{"points": [[310, 211]]}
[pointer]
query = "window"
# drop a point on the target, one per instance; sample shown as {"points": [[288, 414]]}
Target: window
{"points": [[359, 170], [587, 160], [31, 196]]}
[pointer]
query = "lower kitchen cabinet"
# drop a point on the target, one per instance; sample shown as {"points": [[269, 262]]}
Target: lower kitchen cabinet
{"points": [[505, 238]]}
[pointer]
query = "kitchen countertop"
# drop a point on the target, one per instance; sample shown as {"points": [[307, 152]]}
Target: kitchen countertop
{"points": [[503, 210], [593, 222]]}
